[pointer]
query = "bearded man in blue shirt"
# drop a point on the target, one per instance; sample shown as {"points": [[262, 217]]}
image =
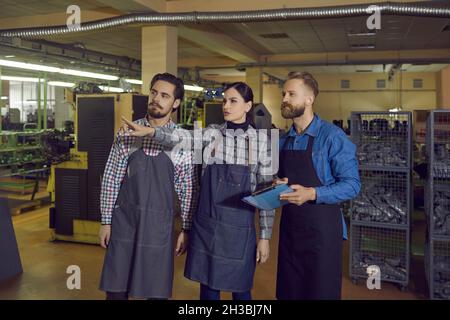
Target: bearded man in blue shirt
{"points": [[319, 163]]}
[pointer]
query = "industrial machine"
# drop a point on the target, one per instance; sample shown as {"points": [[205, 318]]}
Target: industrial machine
{"points": [[20, 152], [75, 184]]}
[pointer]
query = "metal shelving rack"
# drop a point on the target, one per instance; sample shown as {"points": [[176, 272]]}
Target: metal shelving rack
{"points": [[437, 204], [380, 215]]}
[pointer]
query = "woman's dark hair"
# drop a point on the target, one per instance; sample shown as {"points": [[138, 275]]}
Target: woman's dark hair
{"points": [[170, 78], [244, 90]]}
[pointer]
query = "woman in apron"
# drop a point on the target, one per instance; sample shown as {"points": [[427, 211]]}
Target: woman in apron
{"points": [[222, 252]]}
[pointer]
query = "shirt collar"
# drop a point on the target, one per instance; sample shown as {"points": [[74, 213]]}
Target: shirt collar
{"points": [[312, 130], [224, 131], [169, 124]]}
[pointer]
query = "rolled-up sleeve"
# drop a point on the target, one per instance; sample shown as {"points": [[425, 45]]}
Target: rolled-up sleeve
{"points": [[344, 169]]}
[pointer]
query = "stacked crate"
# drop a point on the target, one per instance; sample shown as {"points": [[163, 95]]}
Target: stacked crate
{"points": [[437, 205], [380, 215]]}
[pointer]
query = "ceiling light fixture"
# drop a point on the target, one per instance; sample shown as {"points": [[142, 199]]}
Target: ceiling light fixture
{"points": [[361, 34], [72, 72], [21, 79], [111, 89], [363, 46], [193, 88], [87, 74], [61, 84], [134, 81]]}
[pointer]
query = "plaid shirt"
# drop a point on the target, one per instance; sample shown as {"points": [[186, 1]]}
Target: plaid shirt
{"points": [[260, 175], [185, 176]]}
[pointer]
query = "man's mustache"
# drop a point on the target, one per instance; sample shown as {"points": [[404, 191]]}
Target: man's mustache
{"points": [[154, 104], [286, 105]]}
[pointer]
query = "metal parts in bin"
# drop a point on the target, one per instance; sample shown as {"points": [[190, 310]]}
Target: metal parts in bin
{"points": [[383, 198], [441, 213], [437, 204], [372, 154], [437, 268], [386, 248], [379, 207], [391, 268], [382, 138]]}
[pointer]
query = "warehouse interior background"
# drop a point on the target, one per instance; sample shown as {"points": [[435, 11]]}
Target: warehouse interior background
{"points": [[394, 80]]}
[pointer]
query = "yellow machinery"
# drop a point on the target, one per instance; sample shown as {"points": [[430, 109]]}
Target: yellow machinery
{"points": [[75, 184]]}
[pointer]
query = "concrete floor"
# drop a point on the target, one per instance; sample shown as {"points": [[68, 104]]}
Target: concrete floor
{"points": [[45, 265]]}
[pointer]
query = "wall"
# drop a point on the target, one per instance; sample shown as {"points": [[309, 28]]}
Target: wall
{"points": [[443, 88], [63, 110], [363, 95], [336, 103]]}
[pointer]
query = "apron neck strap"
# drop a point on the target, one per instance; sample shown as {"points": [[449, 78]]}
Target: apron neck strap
{"points": [[310, 144], [291, 138]]}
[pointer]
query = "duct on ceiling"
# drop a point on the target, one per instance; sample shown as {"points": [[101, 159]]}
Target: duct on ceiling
{"points": [[420, 9]]}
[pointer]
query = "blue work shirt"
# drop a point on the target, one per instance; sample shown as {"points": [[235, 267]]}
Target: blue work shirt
{"points": [[334, 159]]}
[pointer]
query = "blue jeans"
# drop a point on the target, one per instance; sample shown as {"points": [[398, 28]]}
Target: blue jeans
{"points": [[206, 293]]}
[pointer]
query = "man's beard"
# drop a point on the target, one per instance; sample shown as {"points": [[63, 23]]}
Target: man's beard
{"points": [[155, 111], [288, 111]]}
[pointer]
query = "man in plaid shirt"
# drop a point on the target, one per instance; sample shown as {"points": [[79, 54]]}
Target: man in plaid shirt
{"points": [[126, 226]]}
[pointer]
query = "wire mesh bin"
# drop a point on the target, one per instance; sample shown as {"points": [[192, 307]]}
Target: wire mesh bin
{"points": [[381, 213], [438, 143], [383, 138], [437, 204], [438, 268], [438, 184], [386, 248], [384, 198], [439, 219]]}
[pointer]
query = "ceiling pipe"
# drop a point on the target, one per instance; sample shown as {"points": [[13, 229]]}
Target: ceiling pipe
{"points": [[417, 9], [243, 66]]}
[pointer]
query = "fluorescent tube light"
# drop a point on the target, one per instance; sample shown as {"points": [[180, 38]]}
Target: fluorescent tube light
{"points": [[193, 88], [61, 84], [22, 79], [134, 81], [111, 89], [72, 72]]}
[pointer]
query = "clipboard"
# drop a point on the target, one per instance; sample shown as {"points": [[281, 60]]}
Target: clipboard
{"points": [[268, 198]]}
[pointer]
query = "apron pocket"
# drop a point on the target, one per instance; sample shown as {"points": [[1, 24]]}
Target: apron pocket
{"points": [[236, 217], [230, 241], [122, 224], [155, 227], [202, 234]]}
